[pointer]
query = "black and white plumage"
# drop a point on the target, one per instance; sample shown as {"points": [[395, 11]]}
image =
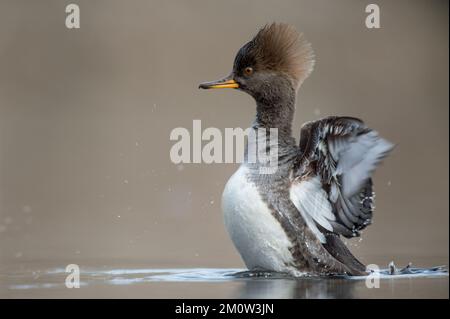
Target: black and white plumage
{"points": [[333, 185], [291, 220]]}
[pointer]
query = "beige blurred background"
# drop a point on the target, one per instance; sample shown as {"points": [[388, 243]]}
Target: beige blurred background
{"points": [[85, 118]]}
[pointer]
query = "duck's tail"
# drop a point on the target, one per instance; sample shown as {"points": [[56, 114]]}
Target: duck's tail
{"points": [[336, 247]]}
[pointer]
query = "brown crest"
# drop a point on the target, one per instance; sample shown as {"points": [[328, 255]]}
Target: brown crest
{"points": [[280, 47]]}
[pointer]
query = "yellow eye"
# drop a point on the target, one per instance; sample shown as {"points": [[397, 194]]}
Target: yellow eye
{"points": [[248, 71]]}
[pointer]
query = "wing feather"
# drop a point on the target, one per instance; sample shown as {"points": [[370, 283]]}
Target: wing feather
{"points": [[333, 186]]}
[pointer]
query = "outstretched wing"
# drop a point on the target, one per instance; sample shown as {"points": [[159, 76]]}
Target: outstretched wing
{"points": [[333, 186]]}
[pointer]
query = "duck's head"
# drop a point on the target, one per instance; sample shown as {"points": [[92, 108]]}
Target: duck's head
{"points": [[276, 60]]}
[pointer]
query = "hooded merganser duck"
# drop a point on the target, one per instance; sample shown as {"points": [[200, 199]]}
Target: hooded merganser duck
{"points": [[292, 221]]}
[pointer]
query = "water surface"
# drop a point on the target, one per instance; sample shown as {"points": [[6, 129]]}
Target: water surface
{"points": [[133, 281]]}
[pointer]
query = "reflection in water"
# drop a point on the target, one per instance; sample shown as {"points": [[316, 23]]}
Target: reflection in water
{"points": [[315, 288], [282, 286]]}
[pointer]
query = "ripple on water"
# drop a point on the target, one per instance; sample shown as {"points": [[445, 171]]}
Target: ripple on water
{"points": [[129, 276]]}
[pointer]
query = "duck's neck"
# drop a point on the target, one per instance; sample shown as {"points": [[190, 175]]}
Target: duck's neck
{"points": [[277, 111]]}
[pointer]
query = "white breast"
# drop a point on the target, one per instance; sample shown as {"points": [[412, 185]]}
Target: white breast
{"points": [[257, 235]]}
